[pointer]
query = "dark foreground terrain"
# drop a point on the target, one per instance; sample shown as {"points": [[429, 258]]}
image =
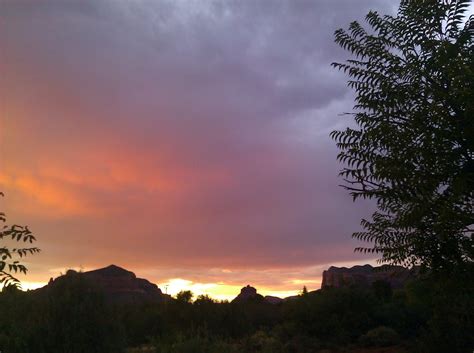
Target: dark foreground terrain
{"points": [[110, 310]]}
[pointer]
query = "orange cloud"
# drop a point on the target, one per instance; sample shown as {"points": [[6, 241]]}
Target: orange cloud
{"points": [[43, 197]]}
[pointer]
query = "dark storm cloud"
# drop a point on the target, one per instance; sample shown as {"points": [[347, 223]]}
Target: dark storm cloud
{"points": [[189, 132]]}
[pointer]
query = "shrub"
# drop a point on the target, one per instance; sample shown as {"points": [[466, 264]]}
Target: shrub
{"points": [[381, 336]]}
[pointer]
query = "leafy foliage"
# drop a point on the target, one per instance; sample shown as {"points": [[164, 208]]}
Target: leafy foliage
{"points": [[185, 296], [10, 258], [412, 149]]}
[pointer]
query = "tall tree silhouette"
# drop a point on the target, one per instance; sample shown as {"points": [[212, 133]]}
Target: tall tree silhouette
{"points": [[412, 149]]}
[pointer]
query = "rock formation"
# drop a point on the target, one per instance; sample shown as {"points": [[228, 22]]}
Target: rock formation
{"points": [[118, 284], [247, 293], [364, 276]]}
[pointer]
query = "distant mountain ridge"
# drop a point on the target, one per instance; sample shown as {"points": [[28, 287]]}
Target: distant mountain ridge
{"points": [[121, 285]]}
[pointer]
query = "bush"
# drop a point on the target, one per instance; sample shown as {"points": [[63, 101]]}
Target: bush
{"points": [[261, 341], [381, 336], [450, 322], [192, 344]]}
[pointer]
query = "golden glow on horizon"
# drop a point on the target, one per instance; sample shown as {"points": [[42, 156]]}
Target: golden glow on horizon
{"points": [[32, 285], [218, 291], [222, 291]]}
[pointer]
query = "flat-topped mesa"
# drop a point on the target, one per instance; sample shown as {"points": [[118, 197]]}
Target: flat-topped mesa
{"points": [[118, 284], [366, 275]]}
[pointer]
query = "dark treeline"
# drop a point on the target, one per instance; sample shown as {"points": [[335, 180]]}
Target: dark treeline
{"points": [[431, 314]]}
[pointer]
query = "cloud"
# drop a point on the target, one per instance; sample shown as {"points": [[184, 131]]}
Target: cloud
{"points": [[169, 134]]}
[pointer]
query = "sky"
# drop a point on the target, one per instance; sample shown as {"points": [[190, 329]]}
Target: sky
{"points": [[186, 141]]}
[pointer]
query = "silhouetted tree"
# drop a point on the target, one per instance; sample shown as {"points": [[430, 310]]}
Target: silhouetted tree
{"points": [[413, 147], [10, 257], [185, 296], [204, 299], [304, 291]]}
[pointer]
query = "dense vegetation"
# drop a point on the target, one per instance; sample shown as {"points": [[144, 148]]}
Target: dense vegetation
{"points": [[74, 318]]}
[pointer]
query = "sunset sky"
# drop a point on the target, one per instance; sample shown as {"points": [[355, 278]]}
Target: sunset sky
{"points": [[187, 141]]}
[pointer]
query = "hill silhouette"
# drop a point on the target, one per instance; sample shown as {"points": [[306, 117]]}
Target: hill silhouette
{"points": [[117, 284]]}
